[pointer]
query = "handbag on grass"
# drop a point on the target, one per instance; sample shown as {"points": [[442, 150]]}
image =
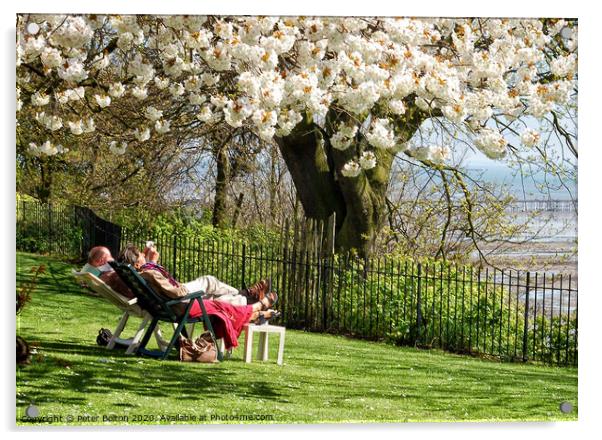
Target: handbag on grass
{"points": [[104, 337], [202, 349]]}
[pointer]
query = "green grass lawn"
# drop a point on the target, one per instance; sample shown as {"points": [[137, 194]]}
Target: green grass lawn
{"points": [[324, 378]]}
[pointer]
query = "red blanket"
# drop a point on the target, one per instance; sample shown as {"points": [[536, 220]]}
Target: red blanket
{"points": [[231, 319]]}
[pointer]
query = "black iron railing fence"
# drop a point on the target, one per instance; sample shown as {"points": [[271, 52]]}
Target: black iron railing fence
{"points": [[46, 228], [510, 315]]}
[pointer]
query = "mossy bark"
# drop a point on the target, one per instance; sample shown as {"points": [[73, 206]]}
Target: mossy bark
{"points": [[359, 202]]}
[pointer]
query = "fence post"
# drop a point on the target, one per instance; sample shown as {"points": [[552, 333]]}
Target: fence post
{"points": [[419, 306], [244, 265], [328, 252], [526, 323], [174, 250], [49, 206]]}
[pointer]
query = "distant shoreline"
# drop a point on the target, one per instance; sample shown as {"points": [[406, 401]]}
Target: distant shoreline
{"points": [[559, 257]]}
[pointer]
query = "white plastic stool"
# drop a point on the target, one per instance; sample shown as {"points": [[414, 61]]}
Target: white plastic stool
{"points": [[264, 331]]}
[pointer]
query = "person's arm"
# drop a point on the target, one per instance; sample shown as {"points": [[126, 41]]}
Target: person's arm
{"points": [[162, 284], [151, 254], [115, 283], [91, 269]]}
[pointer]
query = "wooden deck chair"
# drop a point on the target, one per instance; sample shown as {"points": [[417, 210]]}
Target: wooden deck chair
{"points": [[129, 307], [163, 309]]}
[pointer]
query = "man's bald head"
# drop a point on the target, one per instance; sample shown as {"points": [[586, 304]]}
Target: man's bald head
{"points": [[99, 255]]}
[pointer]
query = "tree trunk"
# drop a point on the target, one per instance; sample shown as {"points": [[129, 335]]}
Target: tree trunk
{"points": [[359, 202], [220, 217], [44, 189], [273, 183], [365, 200], [313, 165], [237, 209], [313, 175]]}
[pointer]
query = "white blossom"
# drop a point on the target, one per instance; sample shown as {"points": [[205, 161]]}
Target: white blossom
{"points": [[530, 137], [367, 160], [219, 101], [153, 114], [102, 101], [40, 99], [175, 67], [76, 94], [397, 107], [46, 149], [139, 92], [249, 83], [200, 39], [271, 72], [433, 153], [235, 112], [51, 57], [223, 30], [33, 148], [74, 32], [210, 79], [539, 107], [124, 23], [142, 135], [265, 118], [100, 62], [89, 126], [19, 55], [351, 169], [170, 51], [343, 138], [287, 121], [72, 71], [118, 149], [162, 126], [161, 83], [381, 134], [33, 47], [143, 72], [176, 90], [192, 83], [455, 112], [196, 99], [51, 122], [267, 133], [125, 41], [491, 142], [439, 153], [19, 102], [76, 127], [564, 66], [116, 90], [205, 114]]}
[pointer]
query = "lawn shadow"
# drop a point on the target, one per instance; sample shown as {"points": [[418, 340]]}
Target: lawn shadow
{"points": [[112, 373]]}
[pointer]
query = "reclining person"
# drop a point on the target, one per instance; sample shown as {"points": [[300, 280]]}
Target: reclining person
{"points": [[98, 259], [229, 319], [213, 288], [98, 265]]}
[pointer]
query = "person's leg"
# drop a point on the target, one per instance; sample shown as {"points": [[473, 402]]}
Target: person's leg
{"points": [[257, 309], [267, 314], [257, 291], [235, 300], [212, 287]]}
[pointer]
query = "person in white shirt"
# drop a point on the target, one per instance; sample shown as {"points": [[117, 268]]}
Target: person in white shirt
{"points": [[98, 261], [98, 265]]}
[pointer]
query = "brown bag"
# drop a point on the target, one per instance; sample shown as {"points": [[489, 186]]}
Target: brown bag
{"points": [[202, 349]]}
